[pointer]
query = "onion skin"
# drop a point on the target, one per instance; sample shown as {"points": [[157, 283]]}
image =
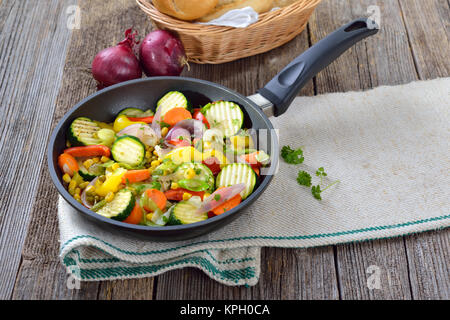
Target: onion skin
{"points": [[162, 54], [117, 64]]}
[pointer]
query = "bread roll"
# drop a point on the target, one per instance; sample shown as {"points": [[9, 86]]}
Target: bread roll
{"points": [[185, 9], [224, 6]]}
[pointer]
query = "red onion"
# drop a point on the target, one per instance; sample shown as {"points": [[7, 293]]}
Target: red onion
{"points": [[117, 64], [162, 54], [142, 131], [226, 194]]}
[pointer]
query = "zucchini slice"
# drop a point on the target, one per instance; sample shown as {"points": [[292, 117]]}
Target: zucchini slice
{"points": [[120, 207], [171, 100], [136, 113], [184, 212], [202, 173], [90, 174], [128, 150], [237, 173], [224, 115], [83, 132]]}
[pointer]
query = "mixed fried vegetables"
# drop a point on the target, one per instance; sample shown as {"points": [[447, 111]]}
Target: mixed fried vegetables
{"points": [[176, 166]]}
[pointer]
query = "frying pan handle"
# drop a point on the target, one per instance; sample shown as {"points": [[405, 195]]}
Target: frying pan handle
{"points": [[284, 87]]}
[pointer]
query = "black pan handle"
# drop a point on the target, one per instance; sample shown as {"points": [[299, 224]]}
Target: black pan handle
{"points": [[284, 87]]}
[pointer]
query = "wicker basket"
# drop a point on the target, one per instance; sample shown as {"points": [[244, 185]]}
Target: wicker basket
{"points": [[216, 44]]}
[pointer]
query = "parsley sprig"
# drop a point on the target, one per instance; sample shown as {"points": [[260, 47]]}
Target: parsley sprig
{"points": [[292, 156], [304, 178]]}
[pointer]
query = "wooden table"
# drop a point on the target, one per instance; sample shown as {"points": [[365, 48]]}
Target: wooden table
{"points": [[44, 71]]}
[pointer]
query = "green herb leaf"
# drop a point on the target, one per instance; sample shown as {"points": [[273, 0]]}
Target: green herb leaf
{"points": [[315, 190], [292, 156], [304, 178], [217, 197]]}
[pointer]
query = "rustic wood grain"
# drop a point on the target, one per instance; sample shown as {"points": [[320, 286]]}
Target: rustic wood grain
{"points": [[428, 26], [32, 55], [41, 247], [429, 260]]}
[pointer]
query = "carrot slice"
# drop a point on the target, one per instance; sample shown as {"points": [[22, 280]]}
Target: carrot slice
{"points": [[228, 205], [68, 164], [177, 194], [135, 216], [158, 198], [132, 176], [89, 151], [176, 115]]}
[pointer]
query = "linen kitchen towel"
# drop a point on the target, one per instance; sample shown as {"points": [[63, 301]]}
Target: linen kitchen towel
{"points": [[388, 147]]}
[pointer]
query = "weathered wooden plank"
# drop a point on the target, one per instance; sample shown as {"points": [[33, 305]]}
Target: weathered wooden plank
{"points": [[429, 260], [99, 20], [428, 26], [134, 289], [285, 274], [372, 62], [32, 54]]}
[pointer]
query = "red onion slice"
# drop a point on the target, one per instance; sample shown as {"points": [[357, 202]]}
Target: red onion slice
{"points": [[156, 126], [142, 131], [83, 195], [196, 128], [226, 194], [177, 133]]}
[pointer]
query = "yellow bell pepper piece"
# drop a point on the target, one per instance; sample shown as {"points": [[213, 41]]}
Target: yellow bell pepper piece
{"points": [[184, 154], [111, 183], [122, 122]]}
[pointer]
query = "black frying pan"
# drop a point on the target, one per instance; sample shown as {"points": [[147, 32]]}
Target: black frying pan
{"points": [[273, 99]]}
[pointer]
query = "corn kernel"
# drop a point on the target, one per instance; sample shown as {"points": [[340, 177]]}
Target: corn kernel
{"points": [[155, 153], [88, 163], [154, 163], [83, 184], [174, 185], [148, 154], [115, 166], [96, 160], [164, 131], [77, 197], [72, 187], [186, 196], [206, 195], [159, 161], [66, 178], [189, 174], [77, 191], [104, 159], [109, 197], [149, 216], [151, 149]]}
